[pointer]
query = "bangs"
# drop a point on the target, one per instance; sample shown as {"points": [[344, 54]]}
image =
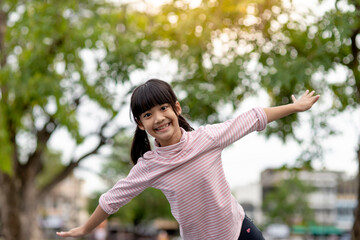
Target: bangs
{"points": [[150, 94]]}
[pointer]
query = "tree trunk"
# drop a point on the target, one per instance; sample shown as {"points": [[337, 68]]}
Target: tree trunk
{"points": [[10, 217], [356, 227], [18, 209]]}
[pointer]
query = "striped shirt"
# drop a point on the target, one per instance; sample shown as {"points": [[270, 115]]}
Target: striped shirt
{"points": [[191, 176]]}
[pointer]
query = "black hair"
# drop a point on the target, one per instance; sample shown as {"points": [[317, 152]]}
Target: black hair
{"points": [[153, 92]]}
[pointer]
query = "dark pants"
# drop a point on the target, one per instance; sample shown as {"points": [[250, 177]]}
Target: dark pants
{"points": [[249, 231]]}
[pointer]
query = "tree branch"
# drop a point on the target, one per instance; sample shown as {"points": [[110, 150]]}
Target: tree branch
{"points": [[75, 162], [354, 64], [354, 50], [3, 18], [69, 168], [42, 137]]}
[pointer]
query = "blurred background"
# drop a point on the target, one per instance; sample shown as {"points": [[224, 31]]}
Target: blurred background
{"points": [[67, 69]]}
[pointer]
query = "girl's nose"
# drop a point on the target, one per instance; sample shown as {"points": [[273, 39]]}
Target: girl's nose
{"points": [[159, 117]]}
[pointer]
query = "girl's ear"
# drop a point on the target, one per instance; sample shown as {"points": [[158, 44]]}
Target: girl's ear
{"points": [[178, 108], [140, 125]]}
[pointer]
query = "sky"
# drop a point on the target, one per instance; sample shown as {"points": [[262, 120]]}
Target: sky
{"points": [[244, 160]]}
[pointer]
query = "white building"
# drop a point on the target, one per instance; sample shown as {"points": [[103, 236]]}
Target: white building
{"points": [[65, 206], [346, 203], [324, 199], [250, 198], [333, 200]]}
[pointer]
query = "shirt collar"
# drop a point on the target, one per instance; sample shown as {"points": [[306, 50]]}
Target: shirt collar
{"points": [[171, 148]]}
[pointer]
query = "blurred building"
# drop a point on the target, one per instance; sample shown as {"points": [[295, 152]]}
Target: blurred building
{"points": [[249, 196], [346, 202], [333, 200], [65, 206], [323, 200]]}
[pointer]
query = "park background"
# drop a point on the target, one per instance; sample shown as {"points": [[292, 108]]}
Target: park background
{"points": [[67, 69]]}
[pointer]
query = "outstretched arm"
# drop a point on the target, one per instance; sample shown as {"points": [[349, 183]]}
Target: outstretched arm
{"points": [[304, 103], [95, 219]]}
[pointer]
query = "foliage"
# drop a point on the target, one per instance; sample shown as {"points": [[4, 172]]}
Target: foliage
{"points": [[210, 44], [228, 50], [44, 78]]}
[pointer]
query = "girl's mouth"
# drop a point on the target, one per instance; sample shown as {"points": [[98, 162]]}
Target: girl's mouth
{"points": [[162, 127]]}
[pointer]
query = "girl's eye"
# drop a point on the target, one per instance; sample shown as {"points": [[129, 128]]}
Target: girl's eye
{"points": [[164, 107], [146, 115]]}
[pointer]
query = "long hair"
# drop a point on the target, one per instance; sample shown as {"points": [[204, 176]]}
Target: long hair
{"points": [[153, 92]]}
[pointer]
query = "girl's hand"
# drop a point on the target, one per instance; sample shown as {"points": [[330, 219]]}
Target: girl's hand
{"points": [[306, 101], [95, 219], [75, 232]]}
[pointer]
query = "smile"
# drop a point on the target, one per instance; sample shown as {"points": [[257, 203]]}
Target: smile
{"points": [[162, 127]]}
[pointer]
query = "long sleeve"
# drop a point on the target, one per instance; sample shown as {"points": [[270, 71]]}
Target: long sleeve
{"points": [[125, 189], [232, 130]]}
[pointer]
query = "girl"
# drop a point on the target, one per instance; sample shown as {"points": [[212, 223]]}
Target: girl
{"points": [[186, 165]]}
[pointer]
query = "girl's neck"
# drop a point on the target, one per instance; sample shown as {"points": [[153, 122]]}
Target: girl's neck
{"points": [[173, 140]]}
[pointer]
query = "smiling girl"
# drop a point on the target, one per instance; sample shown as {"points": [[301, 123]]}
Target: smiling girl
{"points": [[186, 165]]}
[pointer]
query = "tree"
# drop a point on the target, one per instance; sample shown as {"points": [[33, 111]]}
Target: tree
{"points": [[45, 83]]}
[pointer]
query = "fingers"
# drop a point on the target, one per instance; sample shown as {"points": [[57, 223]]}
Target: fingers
{"points": [[305, 93], [311, 93], [306, 100], [315, 98], [63, 234]]}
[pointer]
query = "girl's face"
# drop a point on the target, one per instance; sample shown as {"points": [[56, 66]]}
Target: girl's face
{"points": [[161, 122]]}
